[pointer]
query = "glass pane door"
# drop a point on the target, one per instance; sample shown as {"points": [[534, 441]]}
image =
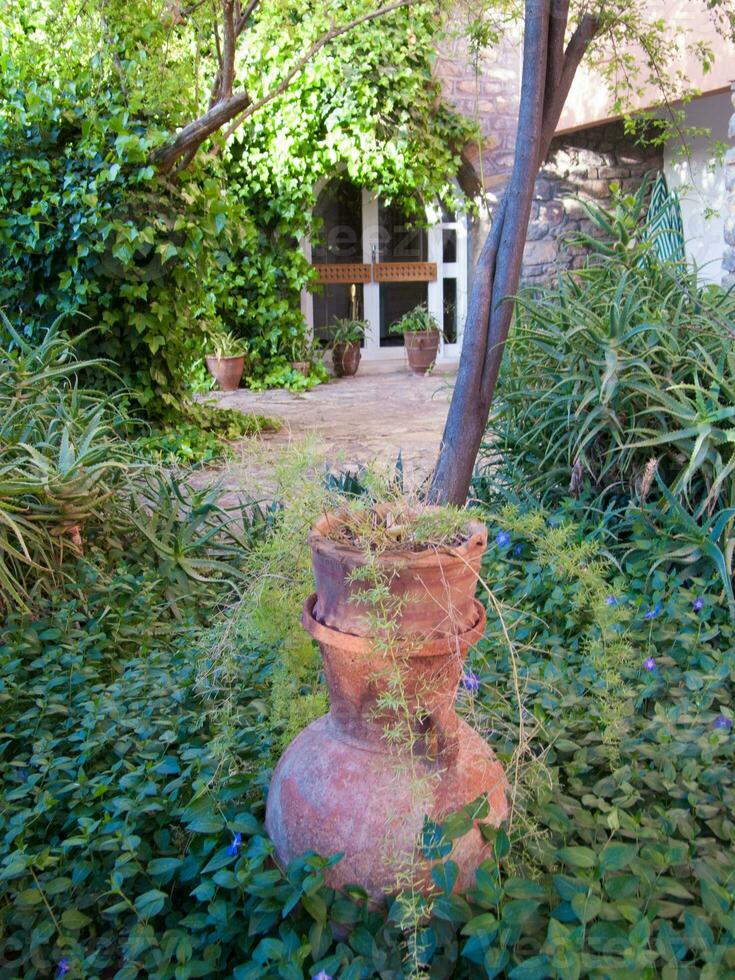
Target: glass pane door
{"points": [[398, 241], [338, 241]]}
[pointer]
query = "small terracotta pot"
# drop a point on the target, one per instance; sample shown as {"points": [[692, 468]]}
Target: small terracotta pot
{"points": [[343, 785], [302, 367], [346, 359], [421, 348], [226, 371], [434, 588]]}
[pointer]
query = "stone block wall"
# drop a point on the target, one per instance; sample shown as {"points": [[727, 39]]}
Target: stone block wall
{"points": [[581, 164]]}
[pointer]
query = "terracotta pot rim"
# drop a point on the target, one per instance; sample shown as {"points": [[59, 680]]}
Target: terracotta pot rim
{"points": [[228, 357], [476, 540], [365, 645], [421, 333]]}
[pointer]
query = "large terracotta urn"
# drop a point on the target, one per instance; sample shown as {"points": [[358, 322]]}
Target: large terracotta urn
{"points": [[390, 752]]}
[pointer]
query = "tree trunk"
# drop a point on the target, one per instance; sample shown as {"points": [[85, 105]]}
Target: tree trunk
{"points": [[548, 71]]}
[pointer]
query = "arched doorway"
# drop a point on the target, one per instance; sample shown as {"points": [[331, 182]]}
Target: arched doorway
{"points": [[374, 264]]}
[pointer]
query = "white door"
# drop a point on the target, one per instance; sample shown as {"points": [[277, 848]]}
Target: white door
{"points": [[374, 264]]}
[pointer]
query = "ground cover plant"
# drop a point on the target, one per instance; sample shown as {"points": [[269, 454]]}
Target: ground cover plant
{"points": [[138, 743]]}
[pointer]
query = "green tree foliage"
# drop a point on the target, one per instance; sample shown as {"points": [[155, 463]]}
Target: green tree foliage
{"points": [[159, 263]]}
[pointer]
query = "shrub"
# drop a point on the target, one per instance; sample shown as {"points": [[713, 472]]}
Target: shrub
{"points": [[69, 479], [619, 385], [134, 783]]}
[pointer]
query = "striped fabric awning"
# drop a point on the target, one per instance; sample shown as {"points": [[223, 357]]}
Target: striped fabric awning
{"points": [[665, 227]]}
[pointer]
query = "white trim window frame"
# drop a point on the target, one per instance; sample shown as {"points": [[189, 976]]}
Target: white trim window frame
{"points": [[457, 271]]}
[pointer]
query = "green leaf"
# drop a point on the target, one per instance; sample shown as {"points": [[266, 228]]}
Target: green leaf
{"points": [[577, 857], [150, 903], [73, 919], [445, 876]]}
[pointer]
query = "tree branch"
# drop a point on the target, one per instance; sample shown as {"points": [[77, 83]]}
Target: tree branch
{"points": [[576, 50], [245, 16], [229, 43], [555, 55], [240, 104]]}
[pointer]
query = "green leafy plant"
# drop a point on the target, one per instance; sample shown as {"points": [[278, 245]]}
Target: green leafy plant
{"points": [[417, 320], [347, 331], [618, 855], [619, 374], [229, 345], [61, 458]]}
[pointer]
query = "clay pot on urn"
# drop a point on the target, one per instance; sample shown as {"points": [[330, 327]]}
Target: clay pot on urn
{"points": [[347, 783], [433, 588]]}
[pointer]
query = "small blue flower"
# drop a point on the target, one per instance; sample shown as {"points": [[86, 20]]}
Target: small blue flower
{"points": [[652, 613], [518, 550], [235, 845], [698, 604], [63, 967], [649, 663], [322, 975], [723, 723], [612, 600], [502, 539], [470, 681]]}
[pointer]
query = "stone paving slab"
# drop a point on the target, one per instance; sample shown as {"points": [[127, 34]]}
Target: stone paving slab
{"points": [[368, 418]]}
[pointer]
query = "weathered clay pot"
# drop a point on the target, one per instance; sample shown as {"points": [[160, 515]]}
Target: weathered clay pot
{"points": [[434, 589], [302, 367], [421, 348], [226, 371], [343, 785], [346, 359]]}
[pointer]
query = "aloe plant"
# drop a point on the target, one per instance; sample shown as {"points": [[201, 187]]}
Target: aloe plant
{"points": [[619, 370], [65, 469]]}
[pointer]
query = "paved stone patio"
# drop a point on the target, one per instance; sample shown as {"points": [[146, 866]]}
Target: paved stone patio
{"points": [[368, 418]]}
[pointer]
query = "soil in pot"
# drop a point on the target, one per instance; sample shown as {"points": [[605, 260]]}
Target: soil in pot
{"points": [[421, 348], [226, 371], [346, 359], [431, 585]]}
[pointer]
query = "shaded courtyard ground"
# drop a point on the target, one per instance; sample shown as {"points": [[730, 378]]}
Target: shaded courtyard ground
{"points": [[368, 418]]}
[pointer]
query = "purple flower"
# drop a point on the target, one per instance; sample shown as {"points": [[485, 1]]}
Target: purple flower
{"points": [[518, 550], [698, 604], [470, 681], [652, 613], [611, 600], [723, 723], [502, 539], [321, 975], [63, 967], [649, 663], [235, 845]]}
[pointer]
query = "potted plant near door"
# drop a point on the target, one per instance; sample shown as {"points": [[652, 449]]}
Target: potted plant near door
{"points": [[227, 364], [347, 336], [301, 354], [421, 337]]}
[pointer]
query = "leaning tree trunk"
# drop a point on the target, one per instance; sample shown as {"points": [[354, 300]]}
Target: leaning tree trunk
{"points": [[548, 71]]}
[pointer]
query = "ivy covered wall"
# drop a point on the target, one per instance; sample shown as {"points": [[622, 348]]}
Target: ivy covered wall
{"points": [[158, 265]]}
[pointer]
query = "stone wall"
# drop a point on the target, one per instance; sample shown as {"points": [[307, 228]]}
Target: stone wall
{"points": [[579, 165], [728, 260]]}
